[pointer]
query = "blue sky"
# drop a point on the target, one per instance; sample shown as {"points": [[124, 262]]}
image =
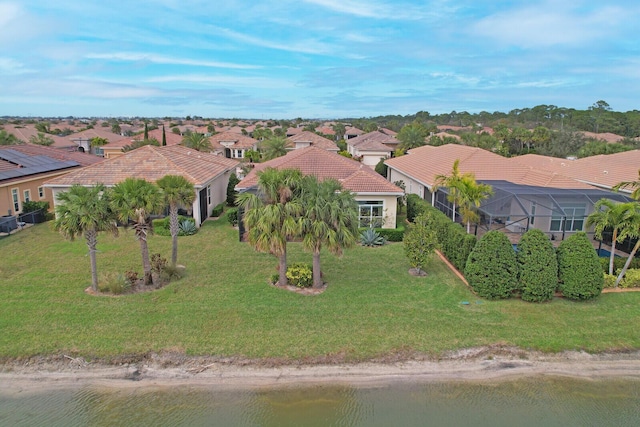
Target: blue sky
{"points": [[314, 58]]}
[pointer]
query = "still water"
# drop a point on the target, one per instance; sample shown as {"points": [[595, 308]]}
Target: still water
{"points": [[545, 401]]}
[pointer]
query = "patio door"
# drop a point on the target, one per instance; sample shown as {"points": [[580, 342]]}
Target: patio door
{"points": [[204, 211]]}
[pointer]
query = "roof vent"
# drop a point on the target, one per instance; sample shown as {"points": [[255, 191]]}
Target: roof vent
{"points": [[605, 172]]}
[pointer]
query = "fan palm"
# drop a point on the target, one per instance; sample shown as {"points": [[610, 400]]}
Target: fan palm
{"points": [[330, 219], [196, 141], [177, 191], [273, 147], [617, 217], [270, 216], [135, 199], [85, 211]]}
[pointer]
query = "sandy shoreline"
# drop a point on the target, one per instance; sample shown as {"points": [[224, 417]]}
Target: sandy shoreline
{"points": [[480, 364]]}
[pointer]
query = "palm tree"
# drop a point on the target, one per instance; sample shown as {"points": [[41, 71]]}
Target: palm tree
{"points": [[196, 141], [616, 216], [330, 219], [135, 199], [85, 211], [271, 216], [273, 147], [633, 230], [177, 191], [464, 191], [470, 195], [631, 184]]}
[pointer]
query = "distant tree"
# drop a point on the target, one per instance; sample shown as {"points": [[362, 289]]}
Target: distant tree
{"points": [[140, 143], [196, 141], [598, 111], [43, 127], [273, 147], [339, 129], [175, 130], [86, 211], [115, 128], [98, 141], [41, 139], [146, 131], [164, 137], [412, 135]]}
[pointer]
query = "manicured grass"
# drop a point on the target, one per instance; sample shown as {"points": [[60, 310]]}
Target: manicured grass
{"points": [[224, 306]]}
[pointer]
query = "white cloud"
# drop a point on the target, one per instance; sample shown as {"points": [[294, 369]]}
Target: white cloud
{"points": [[12, 67], [300, 46], [233, 81], [381, 10], [549, 24], [160, 59]]}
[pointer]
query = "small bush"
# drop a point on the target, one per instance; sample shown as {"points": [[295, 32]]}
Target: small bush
{"points": [[158, 263], [161, 226], [116, 284], [579, 270], [537, 267], [232, 216], [371, 237], [618, 263], [32, 206], [187, 228], [631, 279], [300, 275], [491, 268], [609, 280], [131, 276], [217, 211]]}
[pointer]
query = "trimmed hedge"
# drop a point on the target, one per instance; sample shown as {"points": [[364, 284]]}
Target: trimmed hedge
{"points": [[217, 210], [537, 267], [579, 270], [618, 263], [491, 269]]}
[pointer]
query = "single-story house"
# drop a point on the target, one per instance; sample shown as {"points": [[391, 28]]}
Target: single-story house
{"points": [[208, 173], [24, 169], [83, 140], [371, 147], [116, 148], [233, 145], [524, 196], [307, 138], [377, 198]]}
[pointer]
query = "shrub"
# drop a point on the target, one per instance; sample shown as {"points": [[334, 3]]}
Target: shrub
{"points": [[32, 206], [161, 226], [391, 234], [610, 280], [420, 242], [158, 263], [231, 190], [618, 263], [131, 276], [491, 268], [631, 279], [114, 283], [187, 228], [537, 267], [232, 216], [371, 237], [579, 272], [300, 275], [217, 211]]}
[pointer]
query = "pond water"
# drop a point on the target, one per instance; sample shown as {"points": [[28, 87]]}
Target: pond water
{"points": [[541, 401]]}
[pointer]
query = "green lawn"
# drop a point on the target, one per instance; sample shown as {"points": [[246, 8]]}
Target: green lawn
{"points": [[224, 306]]}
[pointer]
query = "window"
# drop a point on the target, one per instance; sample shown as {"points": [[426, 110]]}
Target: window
{"points": [[16, 200], [370, 213], [238, 153], [41, 192], [573, 221], [208, 195]]}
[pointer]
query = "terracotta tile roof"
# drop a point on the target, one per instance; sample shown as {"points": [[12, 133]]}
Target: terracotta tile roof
{"points": [[425, 163], [373, 141], [605, 170], [388, 132], [350, 130], [172, 138], [84, 159], [605, 136], [324, 164], [310, 138], [26, 132], [151, 163], [95, 133], [237, 140]]}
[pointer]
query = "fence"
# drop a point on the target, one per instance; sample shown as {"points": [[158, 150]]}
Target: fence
{"points": [[10, 223]]}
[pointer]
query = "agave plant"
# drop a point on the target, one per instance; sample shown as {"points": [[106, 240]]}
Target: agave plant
{"points": [[371, 237], [187, 228]]}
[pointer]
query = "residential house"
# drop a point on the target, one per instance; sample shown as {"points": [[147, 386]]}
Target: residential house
{"points": [[83, 140], [307, 138], [232, 145], [208, 173], [26, 132], [524, 196], [24, 168], [352, 132], [116, 148], [371, 147], [376, 197]]}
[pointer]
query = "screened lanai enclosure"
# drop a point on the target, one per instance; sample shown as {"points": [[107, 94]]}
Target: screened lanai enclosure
{"points": [[516, 208]]}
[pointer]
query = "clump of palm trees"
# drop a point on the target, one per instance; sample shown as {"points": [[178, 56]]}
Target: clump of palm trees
{"points": [[88, 211], [289, 205]]}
